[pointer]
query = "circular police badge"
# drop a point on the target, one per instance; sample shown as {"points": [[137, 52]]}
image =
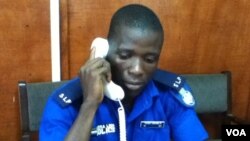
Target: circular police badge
{"points": [[187, 97]]}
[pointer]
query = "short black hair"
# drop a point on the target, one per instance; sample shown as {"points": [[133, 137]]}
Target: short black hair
{"points": [[134, 16]]}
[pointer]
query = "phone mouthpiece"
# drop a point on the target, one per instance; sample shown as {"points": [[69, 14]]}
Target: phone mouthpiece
{"points": [[113, 91]]}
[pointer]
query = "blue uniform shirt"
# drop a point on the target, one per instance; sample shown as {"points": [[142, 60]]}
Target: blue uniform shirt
{"points": [[157, 115]]}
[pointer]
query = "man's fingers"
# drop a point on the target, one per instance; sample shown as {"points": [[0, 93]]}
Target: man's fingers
{"points": [[93, 63], [109, 76], [104, 69], [97, 67]]}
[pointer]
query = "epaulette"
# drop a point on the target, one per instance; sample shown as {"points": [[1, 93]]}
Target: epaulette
{"points": [[68, 93], [177, 83]]}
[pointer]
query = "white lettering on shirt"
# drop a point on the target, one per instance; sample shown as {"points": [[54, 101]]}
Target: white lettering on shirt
{"points": [[104, 129]]}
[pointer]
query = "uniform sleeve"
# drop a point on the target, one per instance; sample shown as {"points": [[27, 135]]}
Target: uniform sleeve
{"points": [[56, 121], [184, 123]]}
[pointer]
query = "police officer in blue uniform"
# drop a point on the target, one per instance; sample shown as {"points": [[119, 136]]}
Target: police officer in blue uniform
{"points": [[158, 104]]}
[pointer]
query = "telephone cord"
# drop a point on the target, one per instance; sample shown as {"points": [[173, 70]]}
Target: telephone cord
{"points": [[122, 122]]}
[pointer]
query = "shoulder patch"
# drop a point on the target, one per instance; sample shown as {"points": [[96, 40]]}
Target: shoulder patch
{"points": [[178, 83], [185, 97], [68, 93]]}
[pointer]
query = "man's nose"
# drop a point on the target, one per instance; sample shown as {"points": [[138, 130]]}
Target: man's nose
{"points": [[136, 68]]}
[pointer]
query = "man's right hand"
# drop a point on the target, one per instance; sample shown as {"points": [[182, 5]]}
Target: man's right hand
{"points": [[94, 74]]}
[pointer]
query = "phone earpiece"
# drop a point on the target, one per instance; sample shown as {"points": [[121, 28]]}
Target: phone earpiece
{"points": [[102, 47]]}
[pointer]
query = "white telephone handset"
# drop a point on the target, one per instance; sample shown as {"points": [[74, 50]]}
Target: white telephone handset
{"points": [[111, 90]]}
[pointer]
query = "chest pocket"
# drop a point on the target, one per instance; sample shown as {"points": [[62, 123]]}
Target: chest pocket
{"points": [[151, 131]]}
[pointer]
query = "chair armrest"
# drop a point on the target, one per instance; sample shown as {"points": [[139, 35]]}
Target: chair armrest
{"points": [[26, 137], [235, 120]]}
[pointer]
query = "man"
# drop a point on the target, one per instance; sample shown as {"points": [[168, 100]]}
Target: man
{"points": [[79, 111]]}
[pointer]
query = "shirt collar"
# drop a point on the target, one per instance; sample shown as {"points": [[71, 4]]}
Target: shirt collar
{"points": [[143, 101]]}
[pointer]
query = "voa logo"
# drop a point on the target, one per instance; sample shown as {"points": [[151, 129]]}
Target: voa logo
{"points": [[236, 132]]}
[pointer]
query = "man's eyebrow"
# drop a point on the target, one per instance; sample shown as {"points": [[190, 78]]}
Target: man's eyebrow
{"points": [[125, 49], [152, 54]]}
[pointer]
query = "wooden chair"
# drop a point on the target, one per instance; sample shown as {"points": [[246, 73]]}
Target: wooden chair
{"points": [[32, 99]]}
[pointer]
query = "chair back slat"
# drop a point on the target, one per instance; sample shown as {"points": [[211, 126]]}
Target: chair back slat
{"points": [[38, 94]]}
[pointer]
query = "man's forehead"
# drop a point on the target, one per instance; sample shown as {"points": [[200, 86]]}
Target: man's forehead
{"points": [[142, 36]]}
